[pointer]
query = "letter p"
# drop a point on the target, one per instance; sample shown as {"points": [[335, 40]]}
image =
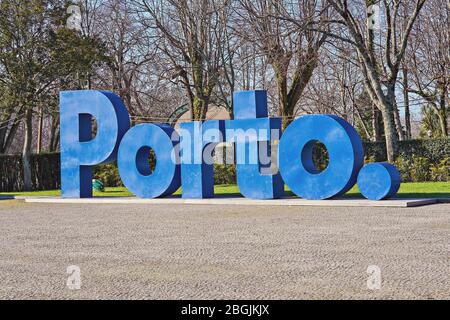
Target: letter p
{"points": [[79, 149]]}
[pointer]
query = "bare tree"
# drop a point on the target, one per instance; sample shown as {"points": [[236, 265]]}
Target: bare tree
{"points": [[380, 71], [10, 118], [130, 50], [191, 36], [335, 85], [280, 31], [430, 60]]}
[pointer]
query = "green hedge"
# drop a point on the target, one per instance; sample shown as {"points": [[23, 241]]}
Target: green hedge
{"points": [[419, 160], [45, 172], [434, 150], [109, 174]]}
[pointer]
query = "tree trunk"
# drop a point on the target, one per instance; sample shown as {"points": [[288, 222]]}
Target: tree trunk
{"points": [[398, 122], [11, 136], [26, 153], [443, 121], [288, 117], [3, 130], [282, 98], [443, 111], [376, 137], [363, 124], [390, 133], [40, 125], [408, 134], [52, 134], [57, 140], [199, 109]]}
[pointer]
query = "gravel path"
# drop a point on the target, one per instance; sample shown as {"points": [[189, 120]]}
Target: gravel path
{"points": [[207, 252]]}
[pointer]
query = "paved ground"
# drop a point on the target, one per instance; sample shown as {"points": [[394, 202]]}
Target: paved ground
{"points": [[203, 252]]}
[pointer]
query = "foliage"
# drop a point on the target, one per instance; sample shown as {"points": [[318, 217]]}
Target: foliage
{"points": [[420, 169], [224, 174], [38, 57], [433, 149], [45, 172], [441, 171], [108, 174]]}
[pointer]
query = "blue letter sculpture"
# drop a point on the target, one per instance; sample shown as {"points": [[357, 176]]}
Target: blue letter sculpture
{"points": [[79, 151], [133, 160], [197, 141], [250, 128], [252, 133], [345, 150]]}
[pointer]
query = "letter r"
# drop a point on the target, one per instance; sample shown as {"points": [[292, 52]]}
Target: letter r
{"points": [[79, 150]]}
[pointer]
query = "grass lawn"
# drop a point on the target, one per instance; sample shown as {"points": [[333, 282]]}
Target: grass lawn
{"points": [[407, 190]]}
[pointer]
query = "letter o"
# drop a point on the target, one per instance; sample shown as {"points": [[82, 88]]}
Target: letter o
{"points": [[133, 163], [345, 150]]}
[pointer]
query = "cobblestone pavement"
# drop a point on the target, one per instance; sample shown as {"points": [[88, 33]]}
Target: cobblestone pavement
{"points": [[231, 252]]}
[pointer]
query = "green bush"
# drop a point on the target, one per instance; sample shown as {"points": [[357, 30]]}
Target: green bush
{"points": [[45, 172], [375, 151], [433, 149], [416, 170], [320, 157], [224, 174], [369, 159], [418, 160], [441, 171], [403, 165], [420, 169], [108, 174]]}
